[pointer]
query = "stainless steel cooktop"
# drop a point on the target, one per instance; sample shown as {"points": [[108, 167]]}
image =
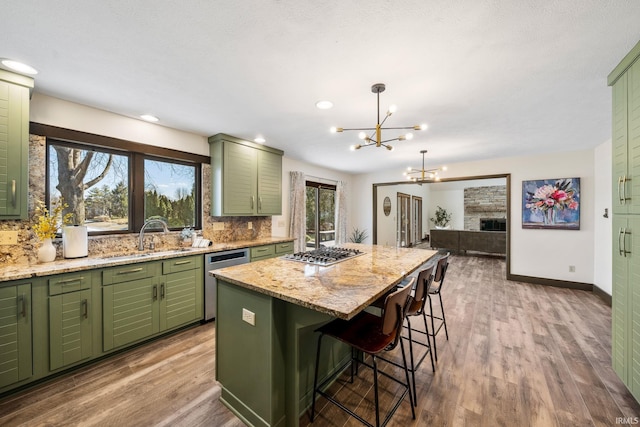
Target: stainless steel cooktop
{"points": [[324, 255]]}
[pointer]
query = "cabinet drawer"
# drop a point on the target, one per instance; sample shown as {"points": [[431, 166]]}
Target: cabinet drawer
{"points": [[179, 264], [69, 283], [284, 248], [126, 273], [263, 252]]}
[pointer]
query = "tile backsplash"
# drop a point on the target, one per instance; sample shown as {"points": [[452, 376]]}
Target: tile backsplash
{"points": [[216, 229]]}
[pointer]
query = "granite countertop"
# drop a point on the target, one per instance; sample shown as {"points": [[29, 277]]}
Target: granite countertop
{"points": [[21, 271], [341, 290]]}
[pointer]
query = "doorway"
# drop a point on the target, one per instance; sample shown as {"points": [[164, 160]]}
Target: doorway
{"points": [[404, 220], [417, 220]]}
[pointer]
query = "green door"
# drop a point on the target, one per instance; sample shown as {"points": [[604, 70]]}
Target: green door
{"points": [[240, 177], [15, 334], [619, 145], [69, 328], [633, 261], [181, 298], [633, 117], [14, 145], [130, 312], [620, 318], [269, 183]]}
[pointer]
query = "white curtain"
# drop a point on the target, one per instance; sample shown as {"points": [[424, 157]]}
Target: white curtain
{"points": [[297, 225], [341, 213]]}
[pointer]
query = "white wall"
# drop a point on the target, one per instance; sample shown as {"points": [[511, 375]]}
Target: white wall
{"points": [[57, 112], [534, 253], [602, 269]]}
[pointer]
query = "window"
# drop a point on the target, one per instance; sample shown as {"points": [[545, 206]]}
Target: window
{"points": [[320, 211], [116, 190]]}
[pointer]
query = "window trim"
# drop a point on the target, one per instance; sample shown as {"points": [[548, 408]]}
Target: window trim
{"points": [[136, 153]]}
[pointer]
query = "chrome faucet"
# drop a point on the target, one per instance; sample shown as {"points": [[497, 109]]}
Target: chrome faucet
{"points": [[165, 228]]}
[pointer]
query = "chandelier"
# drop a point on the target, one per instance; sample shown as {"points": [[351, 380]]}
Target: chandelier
{"points": [[424, 174], [375, 138]]}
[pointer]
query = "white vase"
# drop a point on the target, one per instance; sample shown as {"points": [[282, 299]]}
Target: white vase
{"points": [[46, 252]]}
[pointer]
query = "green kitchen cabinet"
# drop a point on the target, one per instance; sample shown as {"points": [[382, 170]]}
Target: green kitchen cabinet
{"points": [[130, 307], [626, 137], [15, 332], [625, 306], [143, 300], [625, 310], [272, 250], [247, 178], [14, 144], [181, 292], [70, 315]]}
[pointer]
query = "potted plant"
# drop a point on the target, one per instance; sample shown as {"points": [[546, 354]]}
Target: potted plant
{"points": [[358, 236], [442, 218], [186, 236]]}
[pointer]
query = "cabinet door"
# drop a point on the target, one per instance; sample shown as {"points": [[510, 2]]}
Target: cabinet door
{"points": [[619, 144], [269, 183], [620, 319], [15, 330], [130, 312], [633, 117], [240, 177], [181, 298], [14, 146], [70, 338], [633, 261]]}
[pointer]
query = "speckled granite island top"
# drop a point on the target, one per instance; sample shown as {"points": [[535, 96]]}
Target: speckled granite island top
{"points": [[21, 271], [341, 290]]}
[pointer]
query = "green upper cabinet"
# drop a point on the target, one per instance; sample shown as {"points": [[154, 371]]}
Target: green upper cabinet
{"points": [[625, 80], [247, 178], [14, 144]]}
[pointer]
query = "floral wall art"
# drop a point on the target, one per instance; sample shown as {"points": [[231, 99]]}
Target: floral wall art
{"points": [[551, 204]]}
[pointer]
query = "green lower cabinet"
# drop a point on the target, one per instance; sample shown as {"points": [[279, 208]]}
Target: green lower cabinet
{"points": [[15, 333], [70, 335], [181, 293], [130, 312]]}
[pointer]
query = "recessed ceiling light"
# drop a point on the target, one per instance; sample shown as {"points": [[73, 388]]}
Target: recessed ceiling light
{"points": [[324, 105], [260, 139], [19, 67], [149, 118]]}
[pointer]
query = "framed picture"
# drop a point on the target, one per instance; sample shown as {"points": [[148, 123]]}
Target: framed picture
{"points": [[551, 203]]}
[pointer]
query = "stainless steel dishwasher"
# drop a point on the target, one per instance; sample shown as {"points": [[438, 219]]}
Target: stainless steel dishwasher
{"points": [[214, 261]]}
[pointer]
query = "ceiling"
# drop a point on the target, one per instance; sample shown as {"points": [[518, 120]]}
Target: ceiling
{"points": [[491, 78]]}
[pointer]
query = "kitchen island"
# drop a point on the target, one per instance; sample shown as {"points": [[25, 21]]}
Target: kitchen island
{"points": [[268, 312]]}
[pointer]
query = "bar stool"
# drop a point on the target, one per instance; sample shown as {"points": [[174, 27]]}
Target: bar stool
{"points": [[435, 290], [372, 335]]}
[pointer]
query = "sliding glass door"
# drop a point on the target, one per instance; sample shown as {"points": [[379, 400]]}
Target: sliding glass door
{"points": [[320, 211]]}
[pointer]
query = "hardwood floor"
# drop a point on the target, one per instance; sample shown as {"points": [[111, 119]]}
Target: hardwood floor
{"points": [[517, 355]]}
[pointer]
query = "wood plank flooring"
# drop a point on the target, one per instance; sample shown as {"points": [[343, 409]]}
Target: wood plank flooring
{"points": [[517, 355]]}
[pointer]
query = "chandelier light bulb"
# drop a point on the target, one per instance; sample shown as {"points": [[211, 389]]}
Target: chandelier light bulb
{"points": [[362, 135], [409, 136], [423, 126], [392, 109], [444, 168]]}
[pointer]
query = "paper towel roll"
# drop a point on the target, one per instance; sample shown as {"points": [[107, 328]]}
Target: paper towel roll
{"points": [[74, 241]]}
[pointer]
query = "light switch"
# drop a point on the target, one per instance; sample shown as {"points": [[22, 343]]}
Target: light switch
{"points": [[250, 225], [249, 317], [8, 238], [218, 226]]}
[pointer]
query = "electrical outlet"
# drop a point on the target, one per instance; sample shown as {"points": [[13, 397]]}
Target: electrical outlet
{"points": [[8, 238], [250, 225], [249, 317], [572, 269], [218, 226]]}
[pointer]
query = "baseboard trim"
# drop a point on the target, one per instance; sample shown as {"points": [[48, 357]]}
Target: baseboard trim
{"points": [[551, 282], [602, 295]]}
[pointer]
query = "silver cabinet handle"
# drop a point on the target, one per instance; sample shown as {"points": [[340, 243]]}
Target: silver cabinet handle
{"points": [[133, 270], [66, 282], [260, 202], [620, 200], [85, 308], [182, 262], [155, 292], [252, 201], [620, 237], [13, 193], [624, 189], [162, 291]]}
